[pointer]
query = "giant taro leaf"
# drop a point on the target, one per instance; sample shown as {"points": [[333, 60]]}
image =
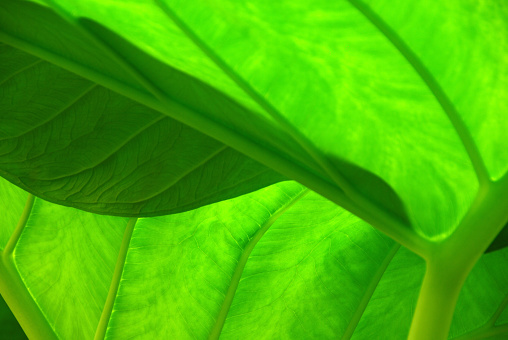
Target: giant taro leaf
{"points": [[279, 263], [393, 110], [307, 91]]}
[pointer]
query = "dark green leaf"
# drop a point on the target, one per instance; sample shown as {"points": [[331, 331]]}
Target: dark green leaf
{"points": [[500, 242], [76, 143], [9, 327]]}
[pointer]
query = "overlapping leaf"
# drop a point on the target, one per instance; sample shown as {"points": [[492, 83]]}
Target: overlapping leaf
{"points": [[346, 82], [10, 327], [73, 142]]}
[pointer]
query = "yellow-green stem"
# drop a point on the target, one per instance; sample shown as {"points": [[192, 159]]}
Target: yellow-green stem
{"points": [[436, 303], [451, 261], [13, 289]]}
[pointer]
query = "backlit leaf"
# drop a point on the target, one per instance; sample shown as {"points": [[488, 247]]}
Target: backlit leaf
{"points": [[254, 267]]}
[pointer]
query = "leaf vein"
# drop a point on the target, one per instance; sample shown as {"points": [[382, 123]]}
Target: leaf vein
{"points": [[432, 84]]}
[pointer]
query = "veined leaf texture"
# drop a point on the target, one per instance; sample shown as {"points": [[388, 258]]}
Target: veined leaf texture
{"points": [[176, 126], [256, 262]]}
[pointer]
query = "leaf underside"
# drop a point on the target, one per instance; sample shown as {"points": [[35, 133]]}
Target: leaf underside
{"points": [[92, 191], [75, 143], [111, 108], [295, 277], [161, 84], [215, 79]]}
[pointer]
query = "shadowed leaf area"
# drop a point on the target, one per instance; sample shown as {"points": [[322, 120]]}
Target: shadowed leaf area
{"points": [[500, 242], [76, 143], [10, 328]]}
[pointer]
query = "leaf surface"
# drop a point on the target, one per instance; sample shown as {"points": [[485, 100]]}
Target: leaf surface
{"points": [[377, 97], [75, 143], [396, 115], [12, 201], [252, 267]]}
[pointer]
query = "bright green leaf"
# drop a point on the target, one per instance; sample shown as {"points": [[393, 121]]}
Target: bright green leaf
{"points": [[252, 267], [392, 110], [55, 278], [12, 202]]}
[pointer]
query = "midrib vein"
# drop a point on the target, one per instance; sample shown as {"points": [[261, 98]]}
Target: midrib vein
{"points": [[350, 196], [21, 70], [187, 172], [180, 112], [13, 240], [295, 134], [457, 122], [351, 199], [13, 289], [235, 279], [400, 231], [348, 333], [102, 327]]}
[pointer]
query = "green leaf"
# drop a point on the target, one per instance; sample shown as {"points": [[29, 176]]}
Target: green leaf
{"points": [[501, 240], [482, 299], [392, 110], [252, 267], [76, 143], [12, 203], [271, 136], [378, 98]]}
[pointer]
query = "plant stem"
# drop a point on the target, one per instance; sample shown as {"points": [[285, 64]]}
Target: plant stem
{"points": [[436, 303], [451, 261]]}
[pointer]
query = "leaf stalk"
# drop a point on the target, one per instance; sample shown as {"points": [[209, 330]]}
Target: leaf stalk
{"points": [[451, 261]]}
